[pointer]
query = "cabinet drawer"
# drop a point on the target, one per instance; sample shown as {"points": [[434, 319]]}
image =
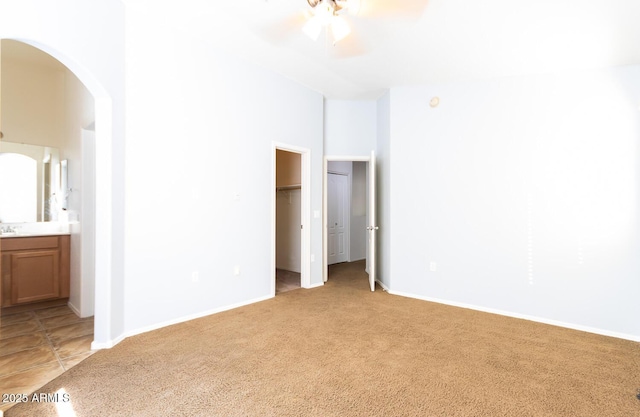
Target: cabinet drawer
{"points": [[22, 243]]}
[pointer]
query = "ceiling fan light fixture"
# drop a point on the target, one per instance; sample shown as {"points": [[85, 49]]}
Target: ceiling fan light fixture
{"points": [[325, 12], [339, 28], [325, 16], [313, 27]]}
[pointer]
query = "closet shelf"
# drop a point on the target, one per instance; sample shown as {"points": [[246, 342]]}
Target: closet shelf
{"points": [[289, 187]]}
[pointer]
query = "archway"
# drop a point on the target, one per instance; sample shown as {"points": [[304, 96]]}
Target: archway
{"points": [[96, 252]]}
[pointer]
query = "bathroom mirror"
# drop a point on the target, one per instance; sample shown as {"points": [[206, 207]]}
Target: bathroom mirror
{"points": [[30, 180]]}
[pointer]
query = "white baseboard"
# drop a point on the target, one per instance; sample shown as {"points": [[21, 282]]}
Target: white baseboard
{"points": [[193, 316], [316, 285], [588, 329], [74, 309], [384, 287], [111, 343], [108, 344]]}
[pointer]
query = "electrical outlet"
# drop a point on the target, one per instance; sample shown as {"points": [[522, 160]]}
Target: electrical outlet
{"points": [[195, 276], [236, 270], [433, 266]]}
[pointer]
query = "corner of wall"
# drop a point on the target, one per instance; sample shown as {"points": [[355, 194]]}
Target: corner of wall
{"points": [[383, 175]]}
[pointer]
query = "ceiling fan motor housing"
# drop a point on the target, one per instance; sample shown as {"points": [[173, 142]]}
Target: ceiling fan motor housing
{"points": [[331, 3]]}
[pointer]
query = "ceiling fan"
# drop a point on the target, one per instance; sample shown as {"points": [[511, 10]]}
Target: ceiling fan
{"points": [[352, 27], [325, 15]]}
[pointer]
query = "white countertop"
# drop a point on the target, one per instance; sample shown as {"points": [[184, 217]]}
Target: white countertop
{"points": [[35, 234], [34, 229]]}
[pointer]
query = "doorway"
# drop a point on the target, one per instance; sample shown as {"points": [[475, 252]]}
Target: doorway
{"points": [[349, 213], [81, 89], [290, 225], [288, 220]]}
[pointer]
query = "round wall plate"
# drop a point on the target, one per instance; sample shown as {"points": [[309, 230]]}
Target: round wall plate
{"points": [[434, 102]]}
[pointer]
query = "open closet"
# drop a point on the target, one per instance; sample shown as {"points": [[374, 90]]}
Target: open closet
{"points": [[288, 220]]}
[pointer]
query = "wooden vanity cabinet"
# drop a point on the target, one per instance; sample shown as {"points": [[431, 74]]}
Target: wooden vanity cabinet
{"points": [[34, 269]]}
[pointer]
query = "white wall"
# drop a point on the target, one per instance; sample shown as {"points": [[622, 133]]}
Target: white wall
{"points": [[524, 192], [78, 107], [219, 119], [87, 292], [383, 190], [349, 127]]}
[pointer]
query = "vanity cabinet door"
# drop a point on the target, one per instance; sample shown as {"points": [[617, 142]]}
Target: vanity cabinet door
{"points": [[35, 276]]}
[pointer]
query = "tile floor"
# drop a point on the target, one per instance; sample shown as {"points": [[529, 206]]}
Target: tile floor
{"points": [[38, 344], [286, 280]]}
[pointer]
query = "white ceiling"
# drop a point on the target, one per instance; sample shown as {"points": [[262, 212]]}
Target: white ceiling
{"points": [[423, 41], [448, 40]]}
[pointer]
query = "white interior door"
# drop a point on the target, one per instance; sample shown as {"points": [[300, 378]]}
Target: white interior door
{"points": [[372, 227], [337, 190]]}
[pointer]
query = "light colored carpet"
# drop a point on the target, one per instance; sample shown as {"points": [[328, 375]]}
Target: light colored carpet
{"points": [[341, 350]]}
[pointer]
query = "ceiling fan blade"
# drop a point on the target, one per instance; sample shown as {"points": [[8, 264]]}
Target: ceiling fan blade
{"points": [[353, 45], [409, 9], [348, 48], [280, 30]]}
